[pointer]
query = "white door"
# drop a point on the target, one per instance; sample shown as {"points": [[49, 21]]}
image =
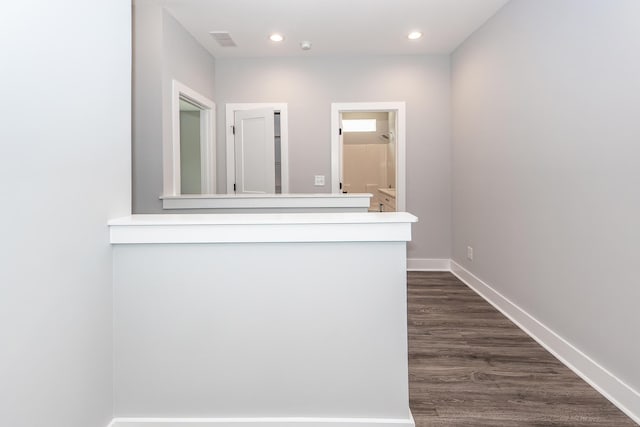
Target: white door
{"points": [[255, 152]]}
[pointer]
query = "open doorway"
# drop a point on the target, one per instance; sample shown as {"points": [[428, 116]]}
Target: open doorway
{"points": [[369, 156], [189, 157], [190, 148], [368, 152]]}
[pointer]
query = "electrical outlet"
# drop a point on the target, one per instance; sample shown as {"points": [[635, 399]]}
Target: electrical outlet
{"points": [[469, 253], [319, 180]]}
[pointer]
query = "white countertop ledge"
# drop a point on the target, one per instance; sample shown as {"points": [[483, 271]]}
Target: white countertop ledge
{"points": [[262, 228], [264, 201]]}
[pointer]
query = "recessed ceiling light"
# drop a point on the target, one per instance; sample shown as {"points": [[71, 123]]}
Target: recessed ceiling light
{"points": [[276, 37], [414, 35]]}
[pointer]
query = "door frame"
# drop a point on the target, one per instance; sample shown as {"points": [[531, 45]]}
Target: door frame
{"points": [[171, 148], [336, 143], [231, 108]]}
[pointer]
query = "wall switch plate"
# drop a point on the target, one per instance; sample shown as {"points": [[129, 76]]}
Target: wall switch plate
{"points": [[319, 180], [469, 253]]}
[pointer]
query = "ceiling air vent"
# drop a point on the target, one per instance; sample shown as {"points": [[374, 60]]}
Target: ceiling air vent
{"points": [[223, 38]]}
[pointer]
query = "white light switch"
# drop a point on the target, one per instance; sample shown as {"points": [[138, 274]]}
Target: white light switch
{"points": [[319, 180]]}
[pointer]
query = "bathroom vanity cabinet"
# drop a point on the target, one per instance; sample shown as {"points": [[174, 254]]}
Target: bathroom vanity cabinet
{"points": [[387, 198]]}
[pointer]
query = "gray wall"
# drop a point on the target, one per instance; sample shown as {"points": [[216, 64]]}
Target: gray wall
{"points": [[546, 133], [65, 163], [164, 51], [316, 342], [310, 85]]}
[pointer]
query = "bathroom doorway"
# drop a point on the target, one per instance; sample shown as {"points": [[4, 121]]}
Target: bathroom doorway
{"points": [[368, 153]]}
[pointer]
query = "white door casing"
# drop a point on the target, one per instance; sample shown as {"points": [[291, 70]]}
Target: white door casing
{"points": [[171, 147], [336, 143]]}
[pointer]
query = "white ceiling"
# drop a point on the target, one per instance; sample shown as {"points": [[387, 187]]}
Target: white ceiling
{"points": [[334, 27]]}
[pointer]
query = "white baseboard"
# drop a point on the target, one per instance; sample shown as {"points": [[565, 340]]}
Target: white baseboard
{"points": [[428, 264], [615, 390], [267, 422]]}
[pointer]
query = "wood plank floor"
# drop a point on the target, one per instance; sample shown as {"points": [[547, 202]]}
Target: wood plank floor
{"points": [[470, 366]]}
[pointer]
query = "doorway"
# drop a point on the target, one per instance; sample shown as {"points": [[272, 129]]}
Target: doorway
{"points": [[190, 148], [189, 157], [368, 152]]}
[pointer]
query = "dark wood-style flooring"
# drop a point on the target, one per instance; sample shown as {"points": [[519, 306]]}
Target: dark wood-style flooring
{"points": [[470, 366]]}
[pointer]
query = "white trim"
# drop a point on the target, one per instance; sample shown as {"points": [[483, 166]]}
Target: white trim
{"points": [[284, 139], [262, 228], [358, 202], [428, 264], [263, 421], [208, 150], [171, 148], [611, 387], [400, 109]]}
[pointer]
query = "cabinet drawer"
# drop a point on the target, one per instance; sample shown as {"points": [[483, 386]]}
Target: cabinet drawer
{"points": [[388, 207], [388, 203]]}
